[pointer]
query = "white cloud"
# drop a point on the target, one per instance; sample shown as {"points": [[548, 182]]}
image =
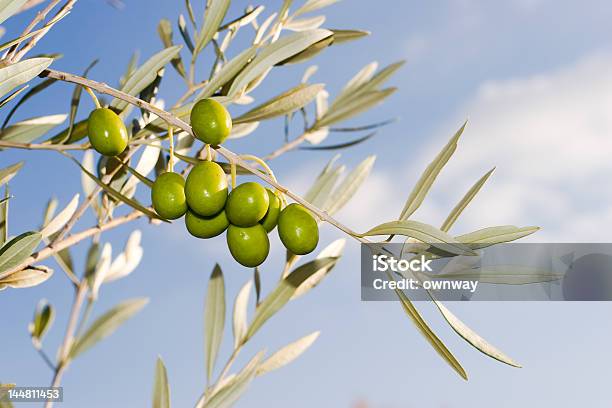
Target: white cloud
{"points": [[550, 137]]}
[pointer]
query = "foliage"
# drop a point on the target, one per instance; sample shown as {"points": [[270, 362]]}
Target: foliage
{"points": [[279, 39]]}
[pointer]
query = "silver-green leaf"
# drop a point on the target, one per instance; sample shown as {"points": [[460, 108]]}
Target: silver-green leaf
{"points": [[161, 389], [21, 72], [214, 318], [18, 249]]}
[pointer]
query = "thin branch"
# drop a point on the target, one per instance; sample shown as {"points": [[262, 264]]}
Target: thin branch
{"points": [[40, 16], [34, 40], [72, 240], [40, 146]]}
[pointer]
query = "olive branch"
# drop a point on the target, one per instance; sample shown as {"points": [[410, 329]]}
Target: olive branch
{"points": [[230, 80]]}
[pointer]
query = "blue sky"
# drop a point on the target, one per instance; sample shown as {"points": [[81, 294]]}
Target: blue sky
{"points": [[533, 77]]}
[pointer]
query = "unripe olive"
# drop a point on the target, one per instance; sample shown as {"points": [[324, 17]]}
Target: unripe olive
{"points": [[107, 133], [206, 227], [249, 246], [247, 204], [298, 229], [206, 188], [168, 195], [210, 121], [270, 220]]}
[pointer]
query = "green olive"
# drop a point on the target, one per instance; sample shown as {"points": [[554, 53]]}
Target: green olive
{"points": [[247, 204], [107, 133], [210, 121], [168, 195], [206, 227], [206, 188], [298, 229], [270, 220], [249, 246]]}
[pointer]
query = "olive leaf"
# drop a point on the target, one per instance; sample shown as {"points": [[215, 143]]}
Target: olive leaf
{"points": [[117, 195], [287, 354], [342, 36], [340, 145], [242, 130], [353, 107], [319, 192], [420, 190], [7, 173], [274, 53], [212, 20], [26, 278], [214, 318], [240, 313], [60, 219], [184, 33], [429, 335], [473, 338], [29, 130], [313, 5], [495, 235], [130, 69], [13, 95], [18, 249], [309, 52], [227, 72], [283, 293], [106, 325], [467, 198], [35, 90], [164, 29], [423, 232], [4, 207], [42, 322], [282, 104], [161, 389], [247, 18], [21, 72], [144, 75], [230, 392], [332, 252], [9, 7], [303, 24], [349, 186]]}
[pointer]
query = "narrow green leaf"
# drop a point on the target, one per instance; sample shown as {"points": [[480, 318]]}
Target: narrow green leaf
{"points": [[26, 278], [467, 198], [283, 293], [214, 318], [318, 193], [7, 173], [60, 219], [227, 72], [309, 52], [106, 325], [36, 89], [283, 104], [74, 103], [42, 322], [13, 95], [4, 211], [420, 190], [429, 335], [340, 145], [353, 107], [145, 74], [502, 275], [230, 392], [161, 389], [287, 354], [240, 312], [29, 130], [164, 29], [21, 72], [495, 235], [333, 252], [423, 232], [342, 36], [349, 186], [18, 249], [212, 20], [117, 195], [185, 33], [313, 5], [473, 338], [274, 53]]}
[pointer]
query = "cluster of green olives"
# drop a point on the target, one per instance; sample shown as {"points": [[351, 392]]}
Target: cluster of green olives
{"points": [[249, 212]]}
